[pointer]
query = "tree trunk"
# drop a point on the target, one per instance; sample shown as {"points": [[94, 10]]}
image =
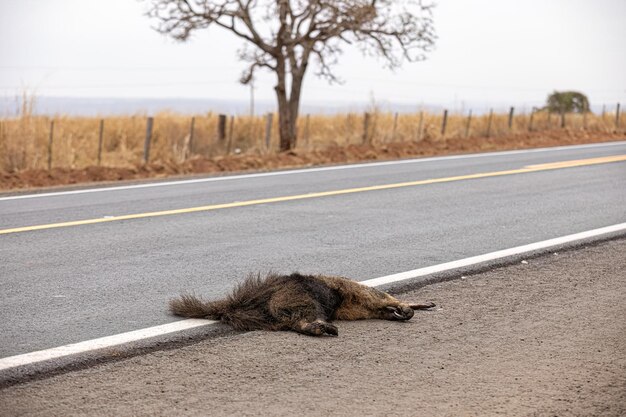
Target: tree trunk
{"points": [[294, 108], [288, 123], [288, 110], [284, 110], [285, 122], [289, 106], [285, 118]]}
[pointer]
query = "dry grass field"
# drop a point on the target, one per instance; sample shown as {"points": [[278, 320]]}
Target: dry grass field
{"points": [[25, 141]]}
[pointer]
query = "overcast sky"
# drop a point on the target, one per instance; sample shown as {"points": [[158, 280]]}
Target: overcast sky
{"points": [[488, 52]]}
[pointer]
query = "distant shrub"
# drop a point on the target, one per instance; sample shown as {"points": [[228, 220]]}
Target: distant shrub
{"points": [[567, 102]]}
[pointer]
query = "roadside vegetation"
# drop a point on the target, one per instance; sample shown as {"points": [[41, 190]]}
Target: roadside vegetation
{"points": [[25, 140], [28, 158]]}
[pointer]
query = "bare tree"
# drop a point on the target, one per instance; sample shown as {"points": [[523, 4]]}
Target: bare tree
{"points": [[283, 36]]}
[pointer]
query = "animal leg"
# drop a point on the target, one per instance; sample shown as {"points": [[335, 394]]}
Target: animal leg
{"points": [[302, 314], [317, 327], [403, 311]]}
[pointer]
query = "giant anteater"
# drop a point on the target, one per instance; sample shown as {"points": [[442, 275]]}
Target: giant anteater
{"points": [[303, 303]]}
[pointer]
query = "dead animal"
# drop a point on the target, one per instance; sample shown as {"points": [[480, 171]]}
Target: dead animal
{"points": [[302, 303]]}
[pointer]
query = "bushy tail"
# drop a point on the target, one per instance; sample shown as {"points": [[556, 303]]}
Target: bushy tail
{"points": [[193, 307], [245, 309]]}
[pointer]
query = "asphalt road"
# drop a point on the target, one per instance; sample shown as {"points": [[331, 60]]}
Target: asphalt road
{"points": [[545, 338], [69, 284]]}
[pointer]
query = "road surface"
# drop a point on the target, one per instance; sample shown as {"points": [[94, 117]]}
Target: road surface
{"points": [[544, 338], [65, 283]]}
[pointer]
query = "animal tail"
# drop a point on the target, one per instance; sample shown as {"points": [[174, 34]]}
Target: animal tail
{"points": [[244, 309], [193, 307]]}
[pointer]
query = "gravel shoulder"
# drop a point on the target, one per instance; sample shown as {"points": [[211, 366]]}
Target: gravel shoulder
{"points": [[546, 337]]}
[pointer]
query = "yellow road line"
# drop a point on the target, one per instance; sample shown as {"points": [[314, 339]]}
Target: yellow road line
{"points": [[530, 168], [578, 162]]}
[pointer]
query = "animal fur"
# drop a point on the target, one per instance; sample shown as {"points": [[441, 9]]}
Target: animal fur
{"points": [[302, 303]]}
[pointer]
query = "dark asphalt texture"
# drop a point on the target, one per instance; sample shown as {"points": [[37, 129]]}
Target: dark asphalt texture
{"points": [[67, 285], [542, 338]]}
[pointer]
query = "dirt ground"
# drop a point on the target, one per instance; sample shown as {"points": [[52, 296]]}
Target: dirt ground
{"points": [[300, 158], [542, 338]]}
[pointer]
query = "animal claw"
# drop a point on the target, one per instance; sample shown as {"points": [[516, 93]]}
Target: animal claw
{"points": [[422, 306], [319, 328], [331, 330], [399, 313]]}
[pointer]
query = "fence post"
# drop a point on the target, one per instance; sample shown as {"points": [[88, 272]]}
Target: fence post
{"points": [[489, 122], [100, 135], [366, 128], [420, 126], [306, 130], [603, 111], [511, 113], [585, 119], [221, 127], [530, 122], [444, 123], [395, 127], [617, 117], [347, 128], [252, 130], [268, 130], [562, 119], [230, 135], [469, 121], [191, 131], [146, 145], [50, 138]]}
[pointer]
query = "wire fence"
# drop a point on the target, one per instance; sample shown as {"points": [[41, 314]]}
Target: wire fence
{"points": [[34, 142]]}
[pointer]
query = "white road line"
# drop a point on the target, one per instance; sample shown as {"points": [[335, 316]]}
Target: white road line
{"points": [[501, 254], [137, 335], [100, 343], [307, 170]]}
